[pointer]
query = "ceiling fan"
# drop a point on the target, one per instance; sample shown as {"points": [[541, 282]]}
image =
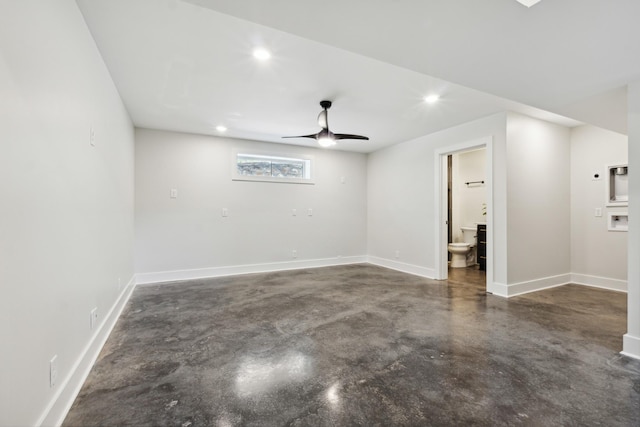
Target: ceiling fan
{"points": [[325, 137]]}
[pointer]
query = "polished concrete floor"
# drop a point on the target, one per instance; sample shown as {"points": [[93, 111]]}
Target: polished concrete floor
{"points": [[362, 345]]}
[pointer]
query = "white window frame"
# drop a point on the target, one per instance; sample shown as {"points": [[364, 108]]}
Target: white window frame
{"points": [[309, 165]]}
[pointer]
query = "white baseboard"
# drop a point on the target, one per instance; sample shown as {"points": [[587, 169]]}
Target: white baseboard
{"points": [[538, 284], [416, 270], [55, 413], [630, 346], [599, 282], [201, 273], [521, 288], [498, 289]]}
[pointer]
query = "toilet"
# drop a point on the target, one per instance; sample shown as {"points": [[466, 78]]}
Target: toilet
{"points": [[463, 253]]}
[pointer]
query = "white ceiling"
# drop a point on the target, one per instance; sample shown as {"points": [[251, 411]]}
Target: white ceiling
{"points": [[187, 65]]}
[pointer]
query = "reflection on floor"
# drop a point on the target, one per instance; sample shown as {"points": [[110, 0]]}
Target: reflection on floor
{"points": [[470, 276], [362, 345]]}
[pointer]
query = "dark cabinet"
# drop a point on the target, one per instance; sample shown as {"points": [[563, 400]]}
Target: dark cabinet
{"points": [[481, 245]]}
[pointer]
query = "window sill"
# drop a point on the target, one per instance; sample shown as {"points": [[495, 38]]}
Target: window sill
{"points": [[273, 180]]}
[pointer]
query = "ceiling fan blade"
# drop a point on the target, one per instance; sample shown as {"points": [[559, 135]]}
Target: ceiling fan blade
{"points": [[325, 137], [349, 136], [323, 121], [312, 136]]}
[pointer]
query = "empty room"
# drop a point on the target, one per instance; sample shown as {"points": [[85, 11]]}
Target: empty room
{"points": [[277, 213]]}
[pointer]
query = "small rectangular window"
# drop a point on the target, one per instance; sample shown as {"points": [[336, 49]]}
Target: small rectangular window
{"points": [[259, 167]]}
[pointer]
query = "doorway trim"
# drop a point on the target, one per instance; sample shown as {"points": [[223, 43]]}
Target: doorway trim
{"points": [[440, 204]]}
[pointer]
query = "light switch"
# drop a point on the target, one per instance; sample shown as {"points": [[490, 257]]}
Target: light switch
{"points": [[174, 193], [225, 212], [294, 212], [598, 212], [342, 180], [310, 212]]}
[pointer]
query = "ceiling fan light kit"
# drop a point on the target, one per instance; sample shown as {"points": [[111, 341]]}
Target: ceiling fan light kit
{"points": [[325, 137], [326, 142]]}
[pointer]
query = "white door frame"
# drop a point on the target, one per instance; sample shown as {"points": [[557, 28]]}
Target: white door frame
{"points": [[441, 204]]}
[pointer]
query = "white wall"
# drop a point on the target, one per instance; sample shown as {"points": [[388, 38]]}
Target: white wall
{"points": [[468, 200], [401, 213], [189, 232], [539, 220], [598, 256], [66, 217], [631, 340]]}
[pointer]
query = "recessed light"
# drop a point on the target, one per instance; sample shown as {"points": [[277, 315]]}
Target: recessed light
{"points": [[528, 3], [431, 99], [261, 54], [221, 128]]}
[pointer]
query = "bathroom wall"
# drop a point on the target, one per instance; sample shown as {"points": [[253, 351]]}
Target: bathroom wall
{"points": [[598, 256], [468, 200], [187, 236], [66, 216]]}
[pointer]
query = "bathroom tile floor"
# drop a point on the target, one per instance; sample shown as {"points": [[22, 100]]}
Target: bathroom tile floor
{"points": [[362, 345]]}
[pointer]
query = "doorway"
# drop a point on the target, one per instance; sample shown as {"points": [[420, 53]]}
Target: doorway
{"points": [[443, 198]]}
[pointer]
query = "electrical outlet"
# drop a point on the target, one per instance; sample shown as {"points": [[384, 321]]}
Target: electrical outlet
{"points": [[173, 193], [294, 212], [92, 136], [93, 317], [53, 370], [294, 253]]}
